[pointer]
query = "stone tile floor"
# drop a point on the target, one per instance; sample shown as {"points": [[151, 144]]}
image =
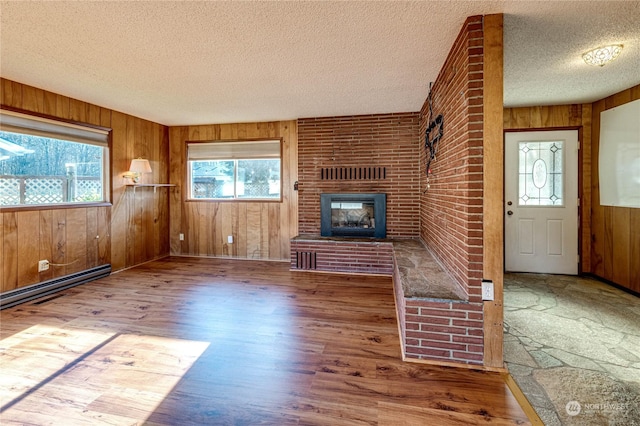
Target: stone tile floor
{"points": [[574, 340]]}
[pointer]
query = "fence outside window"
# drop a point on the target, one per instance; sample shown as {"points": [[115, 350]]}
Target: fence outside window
{"points": [[29, 190]]}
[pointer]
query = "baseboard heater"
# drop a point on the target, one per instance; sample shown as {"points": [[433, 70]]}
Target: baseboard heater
{"points": [[35, 291]]}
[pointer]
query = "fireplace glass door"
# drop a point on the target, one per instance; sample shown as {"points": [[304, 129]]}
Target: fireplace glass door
{"points": [[353, 215]]}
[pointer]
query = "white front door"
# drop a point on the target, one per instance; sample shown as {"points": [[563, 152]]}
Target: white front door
{"points": [[541, 202]]}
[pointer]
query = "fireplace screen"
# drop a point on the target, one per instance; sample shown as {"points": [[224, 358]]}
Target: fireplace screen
{"points": [[353, 215]]}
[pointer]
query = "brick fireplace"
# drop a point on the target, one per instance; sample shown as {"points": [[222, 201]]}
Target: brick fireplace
{"points": [[446, 211], [344, 159], [353, 228], [361, 154]]}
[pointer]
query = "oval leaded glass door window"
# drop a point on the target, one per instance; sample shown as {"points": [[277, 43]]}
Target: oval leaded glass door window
{"points": [[540, 180]]}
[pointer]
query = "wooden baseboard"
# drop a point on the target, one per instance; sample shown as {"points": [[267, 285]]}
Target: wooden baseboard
{"points": [[164, 256], [522, 400], [437, 363], [197, 256]]}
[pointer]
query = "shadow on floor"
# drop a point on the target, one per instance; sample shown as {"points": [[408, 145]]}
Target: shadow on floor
{"points": [[573, 346]]}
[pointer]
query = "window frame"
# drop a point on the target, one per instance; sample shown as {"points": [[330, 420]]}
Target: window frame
{"points": [[107, 160], [187, 173]]}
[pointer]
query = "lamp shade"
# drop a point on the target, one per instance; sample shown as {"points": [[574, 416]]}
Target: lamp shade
{"points": [[140, 165]]}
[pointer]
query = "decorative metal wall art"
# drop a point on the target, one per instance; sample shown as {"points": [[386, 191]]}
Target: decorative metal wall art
{"points": [[432, 137], [433, 134]]}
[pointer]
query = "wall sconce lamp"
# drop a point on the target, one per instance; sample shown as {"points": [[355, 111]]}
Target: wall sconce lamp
{"points": [[137, 168], [602, 55]]}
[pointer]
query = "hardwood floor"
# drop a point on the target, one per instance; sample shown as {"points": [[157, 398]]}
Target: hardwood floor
{"points": [[206, 341]]}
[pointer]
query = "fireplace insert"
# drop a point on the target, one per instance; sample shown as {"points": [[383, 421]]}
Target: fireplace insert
{"points": [[353, 215]]}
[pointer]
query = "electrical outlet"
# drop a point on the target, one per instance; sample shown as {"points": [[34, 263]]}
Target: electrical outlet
{"points": [[487, 290], [230, 239], [43, 265], [181, 237]]}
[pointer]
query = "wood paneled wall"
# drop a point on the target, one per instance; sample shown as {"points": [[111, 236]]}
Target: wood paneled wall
{"points": [[135, 229], [574, 116], [261, 230], [76, 238], [615, 248]]}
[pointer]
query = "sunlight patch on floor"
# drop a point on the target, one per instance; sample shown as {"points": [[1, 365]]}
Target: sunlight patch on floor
{"points": [[101, 376]]}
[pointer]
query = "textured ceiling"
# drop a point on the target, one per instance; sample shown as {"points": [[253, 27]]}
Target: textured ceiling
{"points": [[218, 62]]}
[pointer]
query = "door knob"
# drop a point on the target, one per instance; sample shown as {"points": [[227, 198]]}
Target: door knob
{"points": [[509, 212], [509, 203]]}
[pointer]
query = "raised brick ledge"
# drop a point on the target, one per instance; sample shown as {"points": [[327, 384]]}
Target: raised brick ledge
{"points": [[350, 255], [436, 321], [419, 274]]}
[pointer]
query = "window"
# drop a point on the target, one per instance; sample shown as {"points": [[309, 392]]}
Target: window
{"points": [[45, 161], [234, 170], [540, 175]]}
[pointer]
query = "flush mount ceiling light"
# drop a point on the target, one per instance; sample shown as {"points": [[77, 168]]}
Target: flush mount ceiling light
{"points": [[601, 56]]}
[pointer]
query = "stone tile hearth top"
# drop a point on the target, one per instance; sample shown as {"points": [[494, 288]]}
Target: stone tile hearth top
{"points": [[341, 239], [421, 275]]}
